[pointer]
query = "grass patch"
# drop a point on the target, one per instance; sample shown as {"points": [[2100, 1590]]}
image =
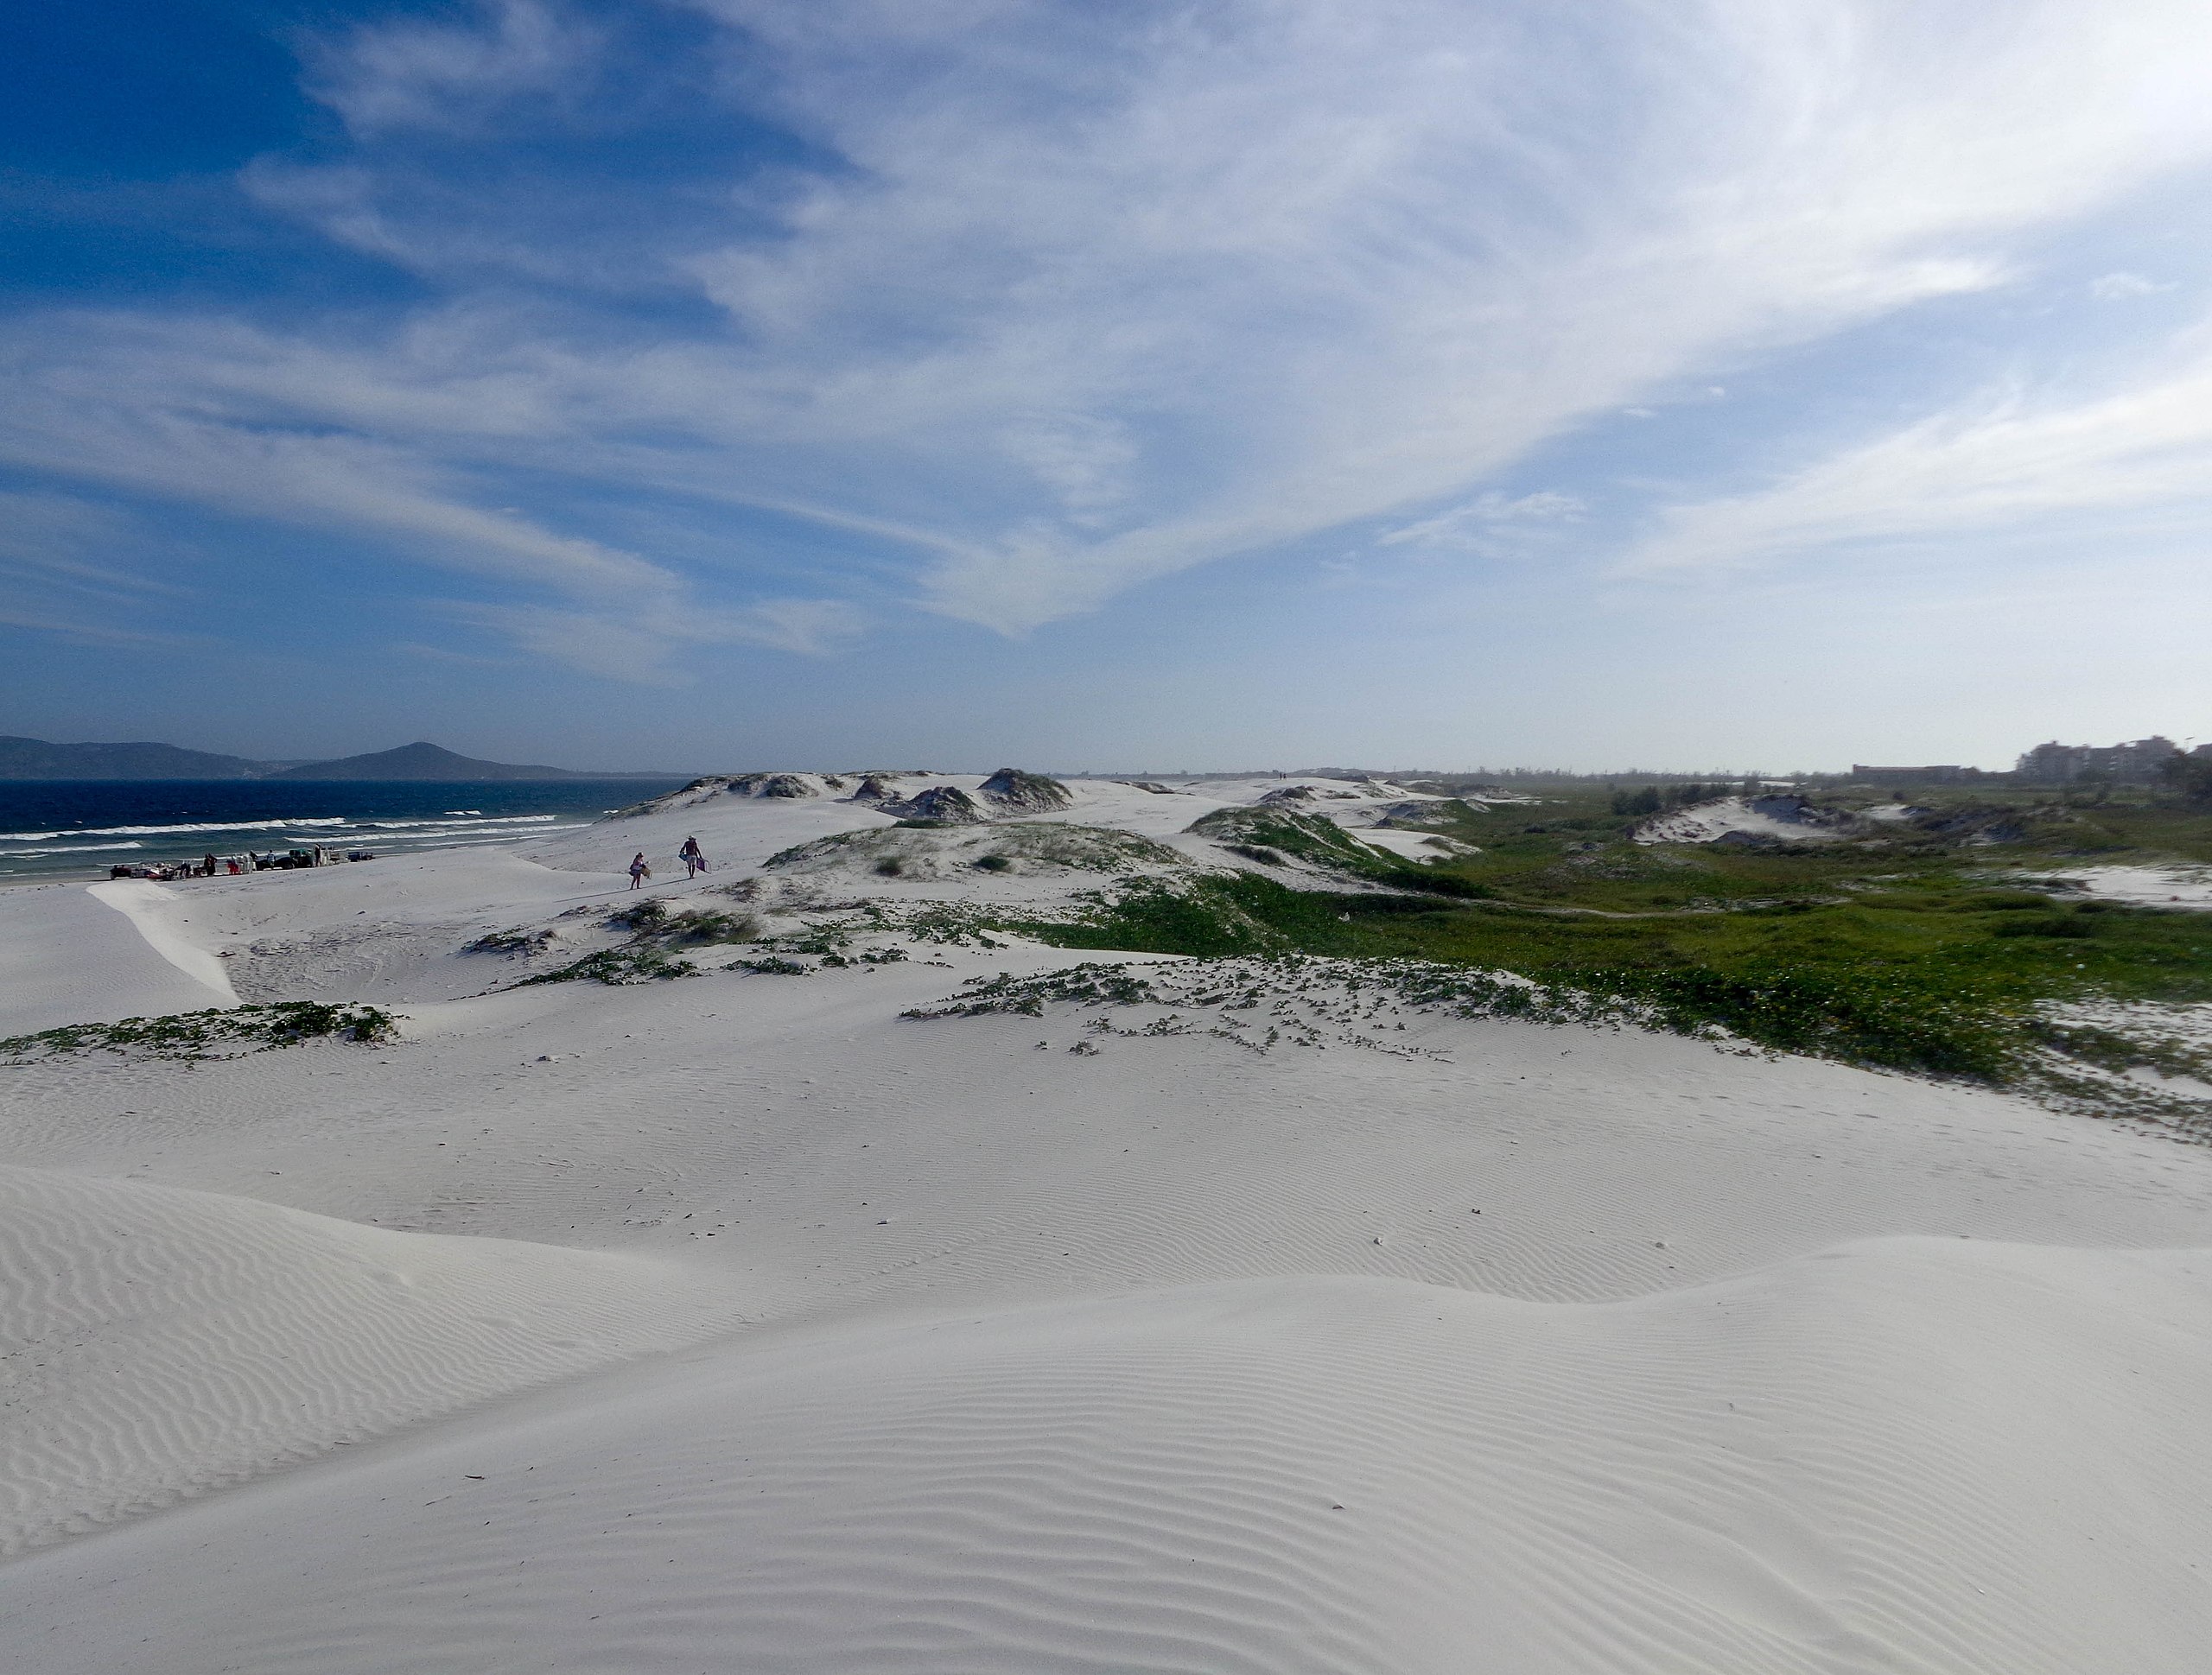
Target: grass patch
{"points": [[1867, 981], [228, 1033], [653, 921], [512, 941], [618, 968]]}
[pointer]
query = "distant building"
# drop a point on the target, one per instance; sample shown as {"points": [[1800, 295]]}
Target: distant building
{"points": [[1947, 773], [2137, 762]]}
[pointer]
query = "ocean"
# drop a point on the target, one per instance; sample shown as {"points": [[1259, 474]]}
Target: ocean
{"points": [[64, 829]]}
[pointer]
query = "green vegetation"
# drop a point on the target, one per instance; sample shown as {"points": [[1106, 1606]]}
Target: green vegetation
{"points": [[1652, 799], [226, 1034], [653, 921], [910, 850], [956, 923], [1259, 853], [1012, 787], [517, 941], [2190, 779], [1905, 948], [618, 966], [1934, 932], [875, 956], [657, 931]]}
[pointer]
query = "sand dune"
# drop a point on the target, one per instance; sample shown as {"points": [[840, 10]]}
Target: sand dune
{"points": [[149, 907], [68, 958], [160, 1343], [2147, 887], [1412, 1343], [1911, 1455]]}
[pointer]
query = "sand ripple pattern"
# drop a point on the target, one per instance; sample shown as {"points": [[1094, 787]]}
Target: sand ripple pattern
{"points": [[1901, 1455], [155, 1342]]}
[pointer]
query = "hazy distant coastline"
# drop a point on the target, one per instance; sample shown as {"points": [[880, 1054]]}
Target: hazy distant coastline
{"points": [[41, 759]]}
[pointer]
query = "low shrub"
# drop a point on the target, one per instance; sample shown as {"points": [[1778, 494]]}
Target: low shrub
{"points": [[1432, 884], [705, 927], [618, 968], [510, 941], [2043, 926], [208, 1034]]}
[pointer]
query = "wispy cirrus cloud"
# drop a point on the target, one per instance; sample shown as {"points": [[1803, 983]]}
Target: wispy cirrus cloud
{"points": [[1328, 262], [451, 75], [2121, 286], [1478, 523], [1031, 302], [57, 576], [2017, 464], [256, 438]]}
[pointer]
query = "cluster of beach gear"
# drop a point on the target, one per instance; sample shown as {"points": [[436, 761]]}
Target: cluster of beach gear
{"points": [[209, 867]]}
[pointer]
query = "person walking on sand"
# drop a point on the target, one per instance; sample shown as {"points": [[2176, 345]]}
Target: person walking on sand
{"points": [[695, 862], [638, 871]]}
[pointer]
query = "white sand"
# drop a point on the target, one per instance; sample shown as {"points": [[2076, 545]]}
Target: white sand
{"points": [[68, 958], [1486, 1347], [1865, 1462], [173, 1341], [151, 911], [2146, 886], [1706, 822]]}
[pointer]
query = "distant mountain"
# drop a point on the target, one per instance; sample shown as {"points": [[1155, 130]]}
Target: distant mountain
{"points": [[430, 763], [39, 758], [36, 759]]}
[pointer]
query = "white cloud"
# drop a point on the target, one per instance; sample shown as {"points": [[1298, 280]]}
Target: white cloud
{"points": [[413, 73], [51, 534], [56, 576], [1334, 259], [240, 446], [814, 626], [2013, 464], [2119, 287], [639, 646], [1092, 294], [1478, 520]]}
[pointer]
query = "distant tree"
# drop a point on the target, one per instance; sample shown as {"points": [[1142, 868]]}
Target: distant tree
{"points": [[2191, 776], [1696, 791]]}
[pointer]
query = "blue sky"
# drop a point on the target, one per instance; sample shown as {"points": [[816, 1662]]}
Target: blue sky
{"points": [[1111, 384]]}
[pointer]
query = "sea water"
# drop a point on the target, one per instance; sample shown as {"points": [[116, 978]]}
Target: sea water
{"points": [[52, 830]]}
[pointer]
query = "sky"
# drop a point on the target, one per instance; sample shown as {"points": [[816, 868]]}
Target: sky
{"points": [[1108, 384]]}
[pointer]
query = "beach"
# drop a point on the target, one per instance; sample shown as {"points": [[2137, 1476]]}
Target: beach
{"points": [[78, 829]]}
